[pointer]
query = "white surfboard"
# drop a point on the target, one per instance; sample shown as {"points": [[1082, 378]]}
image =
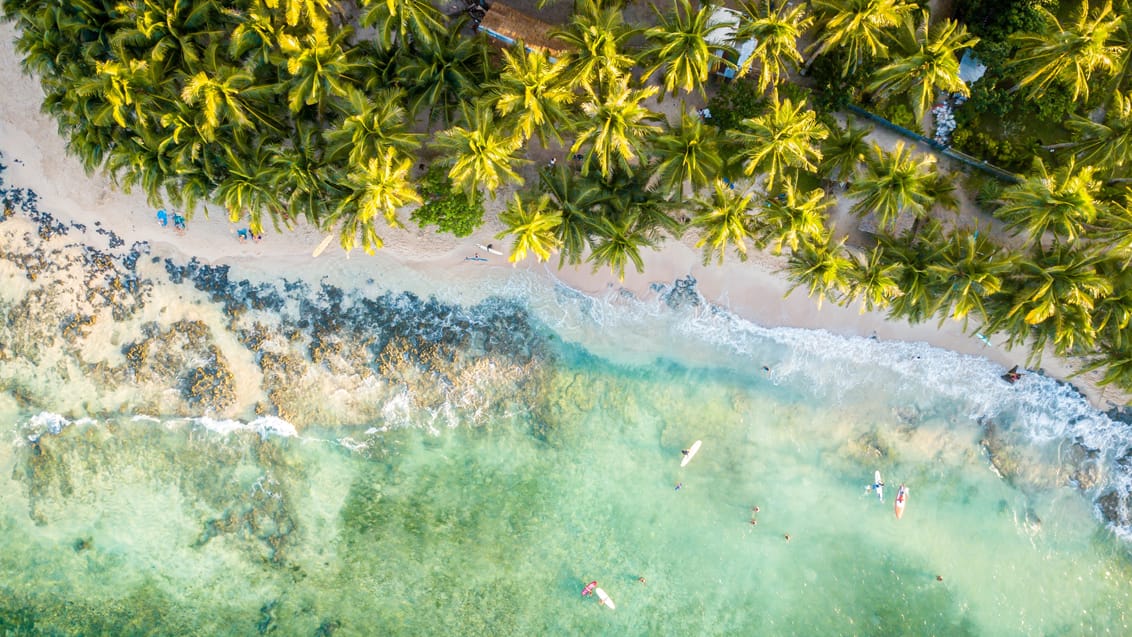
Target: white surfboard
{"points": [[491, 250], [691, 453], [606, 600], [322, 246], [877, 482]]}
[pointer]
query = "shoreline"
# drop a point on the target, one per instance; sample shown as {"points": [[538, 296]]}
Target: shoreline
{"points": [[35, 158]]}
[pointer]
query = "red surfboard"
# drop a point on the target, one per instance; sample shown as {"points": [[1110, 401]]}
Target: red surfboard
{"points": [[901, 500]]}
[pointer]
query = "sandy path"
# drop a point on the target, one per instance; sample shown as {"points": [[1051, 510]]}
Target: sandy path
{"points": [[36, 158]]}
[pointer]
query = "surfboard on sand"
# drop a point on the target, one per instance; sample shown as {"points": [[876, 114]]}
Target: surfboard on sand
{"points": [[604, 598], [474, 259], [491, 250], [878, 484], [691, 453], [322, 246]]}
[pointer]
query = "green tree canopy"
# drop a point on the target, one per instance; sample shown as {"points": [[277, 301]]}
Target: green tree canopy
{"points": [[785, 138], [1068, 53]]}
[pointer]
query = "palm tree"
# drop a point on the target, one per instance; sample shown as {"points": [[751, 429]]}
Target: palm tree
{"points": [[443, 75], [532, 91], [940, 189], [724, 221], [222, 96], [1108, 144], [1068, 54], [320, 68], [679, 45], [782, 139], [134, 162], [532, 225], [482, 155], [859, 28], [874, 281], [1061, 202], [926, 63], [249, 188], [294, 11], [159, 30], [844, 151], [1052, 300], [689, 153], [972, 269], [618, 128], [626, 195], [398, 22], [616, 242], [303, 179], [377, 189], [824, 268], [1116, 359], [775, 27], [791, 218], [892, 184], [599, 37], [256, 32], [575, 200], [1113, 229], [918, 276], [372, 124], [117, 89], [1113, 313]]}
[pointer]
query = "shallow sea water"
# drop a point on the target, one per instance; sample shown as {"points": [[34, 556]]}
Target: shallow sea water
{"points": [[491, 526]]}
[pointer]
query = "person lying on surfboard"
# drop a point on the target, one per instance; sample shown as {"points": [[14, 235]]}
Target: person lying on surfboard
{"points": [[589, 589]]}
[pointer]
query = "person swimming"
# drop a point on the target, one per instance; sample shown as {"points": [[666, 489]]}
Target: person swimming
{"points": [[589, 589]]}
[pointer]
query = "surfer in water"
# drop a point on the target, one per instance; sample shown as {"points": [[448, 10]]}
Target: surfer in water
{"points": [[1013, 375], [589, 589]]}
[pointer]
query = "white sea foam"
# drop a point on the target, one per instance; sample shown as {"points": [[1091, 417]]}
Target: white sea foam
{"points": [[1048, 410], [265, 426], [49, 423], [1039, 409]]}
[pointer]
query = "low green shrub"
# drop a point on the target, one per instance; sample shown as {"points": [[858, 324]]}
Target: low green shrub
{"points": [[448, 209], [736, 101]]}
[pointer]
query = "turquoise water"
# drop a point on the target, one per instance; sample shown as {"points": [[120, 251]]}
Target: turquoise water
{"points": [[382, 463]]}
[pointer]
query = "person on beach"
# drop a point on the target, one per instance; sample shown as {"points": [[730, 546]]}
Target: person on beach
{"points": [[179, 224], [242, 235]]}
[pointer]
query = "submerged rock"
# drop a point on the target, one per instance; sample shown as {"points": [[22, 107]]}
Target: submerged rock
{"points": [[1114, 507], [682, 293]]}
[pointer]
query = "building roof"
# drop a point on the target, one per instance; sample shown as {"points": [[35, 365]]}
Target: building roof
{"points": [[726, 36], [509, 26]]}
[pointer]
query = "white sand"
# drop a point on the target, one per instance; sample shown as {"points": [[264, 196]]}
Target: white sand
{"points": [[37, 159]]}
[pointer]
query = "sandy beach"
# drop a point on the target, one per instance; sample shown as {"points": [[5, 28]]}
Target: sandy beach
{"points": [[36, 158]]}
